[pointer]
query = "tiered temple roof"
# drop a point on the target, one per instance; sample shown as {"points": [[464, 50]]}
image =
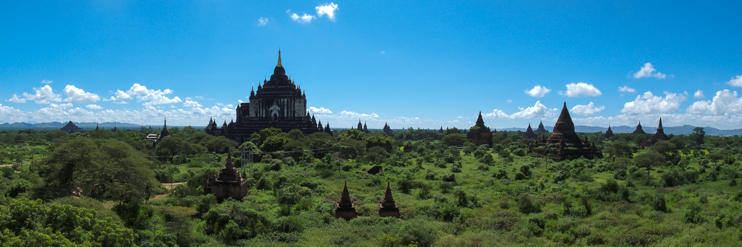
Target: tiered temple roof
{"points": [[529, 133], [388, 130], [71, 128], [479, 133], [659, 136], [164, 133], [387, 207], [639, 129], [541, 128], [608, 133], [278, 102], [344, 208], [564, 142]]}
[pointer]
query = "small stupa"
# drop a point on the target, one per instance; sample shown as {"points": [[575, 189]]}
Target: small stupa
{"points": [[387, 207], [345, 208], [229, 184]]}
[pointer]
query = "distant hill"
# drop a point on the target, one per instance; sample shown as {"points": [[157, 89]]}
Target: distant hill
{"points": [[676, 130], [58, 125]]}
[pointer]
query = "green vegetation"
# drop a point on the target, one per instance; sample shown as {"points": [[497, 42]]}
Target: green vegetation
{"points": [[105, 188]]}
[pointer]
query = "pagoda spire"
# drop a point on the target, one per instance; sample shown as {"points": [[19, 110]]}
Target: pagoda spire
{"points": [[345, 196], [279, 59]]}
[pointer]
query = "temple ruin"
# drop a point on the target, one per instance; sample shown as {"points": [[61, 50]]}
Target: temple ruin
{"points": [[638, 130], [608, 133], [564, 142], [479, 133], [658, 136], [541, 128], [229, 184], [529, 133]]}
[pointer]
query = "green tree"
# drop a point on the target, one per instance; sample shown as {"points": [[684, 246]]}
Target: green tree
{"points": [[618, 149], [379, 139], [174, 146], [454, 139], [698, 135], [274, 143], [102, 169], [649, 160], [220, 144], [32, 223]]}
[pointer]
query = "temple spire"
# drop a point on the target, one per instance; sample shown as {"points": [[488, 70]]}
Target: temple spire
{"points": [[345, 197], [279, 59]]}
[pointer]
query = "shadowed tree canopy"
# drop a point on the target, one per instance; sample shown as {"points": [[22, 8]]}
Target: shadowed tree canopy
{"points": [[101, 169]]}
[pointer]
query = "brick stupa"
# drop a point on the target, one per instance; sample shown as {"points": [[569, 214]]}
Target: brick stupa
{"points": [[387, 207], [608, 133], [529, 133], [638, 130], [659, 136], [71, 128], [345, 208], [479, 133], [541, 128], [229, 184], [564, 142]]}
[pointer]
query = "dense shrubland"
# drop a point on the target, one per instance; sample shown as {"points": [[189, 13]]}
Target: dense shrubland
{"points": [[106, 188]]}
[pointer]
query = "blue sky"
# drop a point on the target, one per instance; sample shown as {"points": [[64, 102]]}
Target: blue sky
{"points": [[406, 63]]}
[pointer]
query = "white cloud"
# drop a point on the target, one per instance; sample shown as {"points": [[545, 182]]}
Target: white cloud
{"points": [[142, 93], [321, 110], [262, 21], [43, 95], [626, 89], [15, 99], [538, 110], [735, 81], [576, 89], [650, 104], [46, 82], [699, 94], [303, 19], [509, 101], [191, 103], [538, 91], [725, 102], [351, 114], [94, 107], [77, 95], [460, 117], [648, 71], [327, 9], [586, 110]]}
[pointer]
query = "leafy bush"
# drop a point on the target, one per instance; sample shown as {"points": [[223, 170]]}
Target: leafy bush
{"points": [[526, 206], [693, 216], [659, 204], [501, 174], [520, 176], [561, 176], [449, 178]]}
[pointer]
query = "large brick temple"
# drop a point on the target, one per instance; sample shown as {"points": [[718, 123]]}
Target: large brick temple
{"points": [[278, 103]]}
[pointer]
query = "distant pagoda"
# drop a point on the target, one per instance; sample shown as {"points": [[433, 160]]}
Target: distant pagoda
{"points": [[541, 128], [345, 208], [387, 207], [71, 128], [479, 133], [564, 142], [529, 133], [388, 130], [639, 129], [608, 133], [658, 136]]}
